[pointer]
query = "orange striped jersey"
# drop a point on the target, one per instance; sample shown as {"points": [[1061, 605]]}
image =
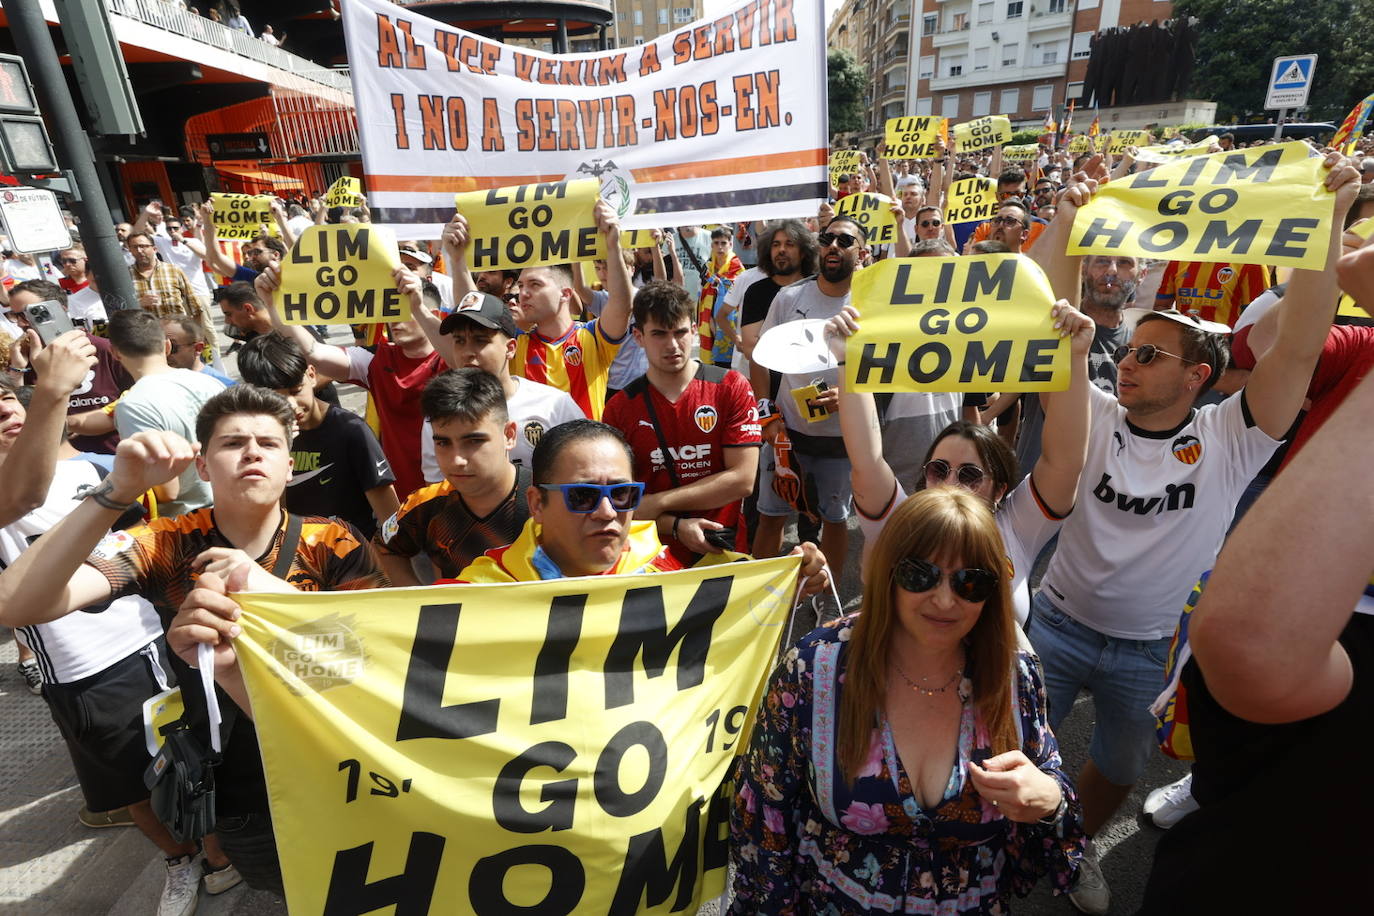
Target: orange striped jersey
{"points": [[1213, 292], [579, 362], [435, 520], [154, 560]]}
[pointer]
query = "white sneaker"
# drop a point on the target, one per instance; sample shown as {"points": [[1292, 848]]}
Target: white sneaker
{"points": [[1168, 805], [183, 881], [217, 882], [1090, 893]]}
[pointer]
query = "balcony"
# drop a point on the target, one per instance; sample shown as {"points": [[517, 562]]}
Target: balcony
{"points": [[947, 37], [997, 75], [1041, 20], [174, 20]]}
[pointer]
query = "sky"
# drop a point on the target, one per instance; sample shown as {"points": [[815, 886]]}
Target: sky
{"points": [[712, 8]]}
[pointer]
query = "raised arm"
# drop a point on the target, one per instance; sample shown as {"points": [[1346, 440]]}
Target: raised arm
{"points": [[870, 476], [219, 262], [1064, 272], [1064, 442], [615, 316], [409, 284], [455, 243], [279, 214], [1278, 384], [326, 358]]}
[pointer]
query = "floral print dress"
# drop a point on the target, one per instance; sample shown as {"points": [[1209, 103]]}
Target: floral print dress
{"points": [[806, 841]]}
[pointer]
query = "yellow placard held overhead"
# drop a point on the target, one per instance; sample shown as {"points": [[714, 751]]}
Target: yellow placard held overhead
{"points": [[241, 217], [981, 133], [1262, 205], [1081, 143], [1170, 151], [542, 747], [913, 138], [1022, 152], [843, 162], [971, 200], [874, 213], [532, 225], [346, 192], [977, 323], [637, 238], [1348, 308], [341, 274], [1120, 139]]}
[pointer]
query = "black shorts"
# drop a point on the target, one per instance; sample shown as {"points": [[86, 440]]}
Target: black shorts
{"points": [[101, 718]]}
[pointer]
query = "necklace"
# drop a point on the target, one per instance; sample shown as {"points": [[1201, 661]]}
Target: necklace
{"points": [[929, 691]]}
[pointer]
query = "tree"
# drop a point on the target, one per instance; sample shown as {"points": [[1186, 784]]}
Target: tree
{"points": [[1239, 39], [846, 80]]}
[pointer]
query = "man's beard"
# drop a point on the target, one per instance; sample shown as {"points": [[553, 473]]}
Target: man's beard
{"points": [[837, 274], [1113, 300]]}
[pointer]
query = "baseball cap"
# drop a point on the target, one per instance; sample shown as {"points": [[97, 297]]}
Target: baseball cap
{"points": [[1132, 317], [418, 254], [483, 309]]}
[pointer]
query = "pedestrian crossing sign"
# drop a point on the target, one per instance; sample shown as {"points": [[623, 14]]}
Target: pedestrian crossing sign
{"points": [[1290, 80]]}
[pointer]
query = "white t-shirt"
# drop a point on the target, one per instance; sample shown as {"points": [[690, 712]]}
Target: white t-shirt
{"points": [[82, 644], [86, 305], [1152, 511], [535, 408], [443, 283], [187, 260], [170, 401], [734, 299], [804, 300], [1025, 523]]}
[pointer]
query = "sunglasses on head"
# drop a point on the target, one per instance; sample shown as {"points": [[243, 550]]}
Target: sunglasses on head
{"points": [[969, 476], [1145, 354], [585, 498], [842, 240], [913, 575]]}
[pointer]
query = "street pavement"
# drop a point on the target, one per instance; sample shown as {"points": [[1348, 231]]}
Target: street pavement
{"points": [[51, 864]]}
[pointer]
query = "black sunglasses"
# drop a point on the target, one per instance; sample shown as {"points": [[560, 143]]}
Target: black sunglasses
{"points": [[938, 471], [1145, 354], [931, 222], [843, 240], [913, 575], [584, 498], [70, 260]]}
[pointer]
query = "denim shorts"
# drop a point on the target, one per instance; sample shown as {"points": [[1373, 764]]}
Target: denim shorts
{"points": [[1124, 675], [831, 478]]}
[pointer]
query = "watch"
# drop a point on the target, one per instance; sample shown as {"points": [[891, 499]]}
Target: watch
{"points": [[1054, 817]]}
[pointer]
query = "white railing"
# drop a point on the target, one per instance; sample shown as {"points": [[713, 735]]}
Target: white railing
{"points": [[172, 18]]}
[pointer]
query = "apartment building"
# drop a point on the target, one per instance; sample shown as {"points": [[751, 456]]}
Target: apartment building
{"points": [[638, 21], [878, 34]]}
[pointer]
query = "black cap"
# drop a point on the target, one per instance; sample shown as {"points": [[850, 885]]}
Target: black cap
{"points": [[484, 309]]}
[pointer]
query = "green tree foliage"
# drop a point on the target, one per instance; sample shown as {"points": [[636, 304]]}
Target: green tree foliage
{"points": [[1239, 39], [845, 84]]}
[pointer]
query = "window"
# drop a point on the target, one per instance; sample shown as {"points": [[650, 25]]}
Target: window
{"points": [[927, 69], [1014, 9], [924, 107], [1009, 54], [929, 25], [1011, 101], [956, 70], [954, 65], [663, 16], [1075, 91], [949, 106], [682, 14], [1041, 98], [639, 41], [980, 58], [1082, 45], [984, 13], [960, 22], [639, 17], [1056, 6], [982, 104], [1049, 57]]}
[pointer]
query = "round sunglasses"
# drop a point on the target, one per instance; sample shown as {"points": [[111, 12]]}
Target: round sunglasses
{"points": [[969, 476], [917, 576]]}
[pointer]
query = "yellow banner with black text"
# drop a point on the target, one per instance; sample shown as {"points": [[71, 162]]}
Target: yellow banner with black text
{"points": [[532, 225], [550, 747], [977, 323], [342, 274], [1263, 205]]}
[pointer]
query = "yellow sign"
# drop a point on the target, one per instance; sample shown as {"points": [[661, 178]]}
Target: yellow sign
{"points": [[1263, 205], [843, 162], [1170, 151], [971, 200], [346, 192], [1364, 229], [341, 274], [532, 225], [874, 213], [543, 747], [1120, 139], [637, 238], [1081, 143], [803, 397], [981, 133], [159, 710], [1022, 152], [975, 323], [241, 217], [913, 138]]}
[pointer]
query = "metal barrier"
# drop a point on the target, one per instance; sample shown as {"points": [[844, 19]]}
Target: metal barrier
{"points": [[176, 19]]}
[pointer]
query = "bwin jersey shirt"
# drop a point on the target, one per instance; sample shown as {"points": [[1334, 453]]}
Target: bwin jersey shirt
{"points": [[1152, 511]]}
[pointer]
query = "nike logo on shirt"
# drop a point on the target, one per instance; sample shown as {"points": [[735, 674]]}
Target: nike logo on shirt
{"points": [[302, 478]]}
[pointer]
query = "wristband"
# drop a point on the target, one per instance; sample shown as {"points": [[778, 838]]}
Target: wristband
{"points": [[766, 409], [1054, 817], [676, 519], [101, 496]]}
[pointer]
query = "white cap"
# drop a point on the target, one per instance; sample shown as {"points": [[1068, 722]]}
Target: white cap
{"points": [[1132, 317]]}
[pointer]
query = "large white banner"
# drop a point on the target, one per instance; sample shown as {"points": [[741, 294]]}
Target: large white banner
{"points": [[719, 120]]}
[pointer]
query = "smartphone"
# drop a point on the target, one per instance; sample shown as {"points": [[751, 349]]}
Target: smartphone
{"points": [[722, 538], [49, 319]]}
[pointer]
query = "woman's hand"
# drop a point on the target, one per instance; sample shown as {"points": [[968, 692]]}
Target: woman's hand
{"points": [[1016, 787]]}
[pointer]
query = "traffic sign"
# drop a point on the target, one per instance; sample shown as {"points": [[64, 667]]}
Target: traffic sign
{"points": [[1290, 81], [238, 146], [32, 220]]}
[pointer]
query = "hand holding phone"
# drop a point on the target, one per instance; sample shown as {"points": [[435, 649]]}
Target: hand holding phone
{"points": [[48, 319]]}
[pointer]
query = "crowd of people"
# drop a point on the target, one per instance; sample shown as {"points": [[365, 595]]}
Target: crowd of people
{"points": [[577, 420]]}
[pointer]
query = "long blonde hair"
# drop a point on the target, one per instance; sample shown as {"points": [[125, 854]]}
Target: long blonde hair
{"points": [[952, 522]]}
